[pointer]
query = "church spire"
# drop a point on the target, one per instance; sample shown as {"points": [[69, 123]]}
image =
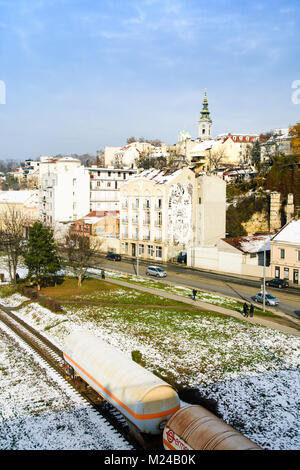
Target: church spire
{"points": [[205, 122], [205, 114]]}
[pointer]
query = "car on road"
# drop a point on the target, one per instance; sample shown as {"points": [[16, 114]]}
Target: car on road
{"points": [[113, 256], [270, 299], [155, 271], [280, 283]]}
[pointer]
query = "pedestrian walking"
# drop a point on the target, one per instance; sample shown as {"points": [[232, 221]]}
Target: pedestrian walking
{"points": [[194, 294], [245, 310], [102, 274], [251, 310]]}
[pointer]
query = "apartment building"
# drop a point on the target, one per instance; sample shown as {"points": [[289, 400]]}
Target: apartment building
{"points": [[63, 190], [105, 186], [285, 252], [165, 211]]}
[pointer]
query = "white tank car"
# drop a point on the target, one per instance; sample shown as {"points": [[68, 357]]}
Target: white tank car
{"points": [[144, 399]]}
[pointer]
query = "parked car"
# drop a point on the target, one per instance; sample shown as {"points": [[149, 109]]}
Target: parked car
{"points": [[280, 283], [182, 256], [113, 256], [155, 271], [270, 299]]}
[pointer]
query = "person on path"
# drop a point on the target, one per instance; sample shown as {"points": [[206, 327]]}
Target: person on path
{"points": [[102, 274], [251, 310], [245, 310], [194, 294]]}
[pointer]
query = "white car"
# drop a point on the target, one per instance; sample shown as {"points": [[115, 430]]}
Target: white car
{"points": [[155, 271], [270, 299]]}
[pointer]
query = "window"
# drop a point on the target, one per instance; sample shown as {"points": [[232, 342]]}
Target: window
{"points": [[141, 249], [159, 204], [158, 251], [299, 255], [286, 273], [282, 253], [277, 272], [150, 250]]}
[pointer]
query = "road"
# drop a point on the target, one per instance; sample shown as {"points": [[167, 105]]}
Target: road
{"points": [[289, 299]]}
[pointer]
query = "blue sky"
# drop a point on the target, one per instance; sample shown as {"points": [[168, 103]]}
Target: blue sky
{"points": [[82, 74]]}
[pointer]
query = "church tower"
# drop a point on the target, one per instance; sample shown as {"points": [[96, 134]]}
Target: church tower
{"points": [[205, 122]]}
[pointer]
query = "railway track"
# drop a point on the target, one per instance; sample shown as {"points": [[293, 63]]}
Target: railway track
{"points": [[53, 356]]}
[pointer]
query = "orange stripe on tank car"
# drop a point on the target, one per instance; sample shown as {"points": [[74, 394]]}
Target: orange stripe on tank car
{"points": [[125, 407]]}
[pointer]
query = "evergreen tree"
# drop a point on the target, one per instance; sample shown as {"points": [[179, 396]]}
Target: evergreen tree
{"points": [[255, 153], [41, 254]]}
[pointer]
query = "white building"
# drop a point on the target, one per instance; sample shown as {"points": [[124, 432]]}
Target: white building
{"points": [[105, 186], [166, 211], [279, 143], [63, 190], [241, 256]]}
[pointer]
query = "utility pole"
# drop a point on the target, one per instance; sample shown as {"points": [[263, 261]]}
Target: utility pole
{"points": [[264, 280], [137, 260]]}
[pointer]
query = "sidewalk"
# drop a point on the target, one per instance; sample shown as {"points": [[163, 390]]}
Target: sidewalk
{"points": [[215, 308]]}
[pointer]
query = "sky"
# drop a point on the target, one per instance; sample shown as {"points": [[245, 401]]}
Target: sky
{"points": [[79, 75]]}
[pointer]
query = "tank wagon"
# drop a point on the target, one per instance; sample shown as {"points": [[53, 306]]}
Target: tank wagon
{"points": [[144, 400], [195, 428]]}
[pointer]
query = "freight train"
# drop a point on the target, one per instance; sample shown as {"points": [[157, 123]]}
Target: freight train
{"points": [[150, 405]]}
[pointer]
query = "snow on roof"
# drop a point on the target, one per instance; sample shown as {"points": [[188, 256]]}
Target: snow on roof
{"points": [[158, 176], [251, 244], [16, 196], [205, 145], [289, 233]]}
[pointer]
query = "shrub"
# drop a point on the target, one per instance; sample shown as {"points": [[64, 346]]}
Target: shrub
{"points": [[7, 291]]}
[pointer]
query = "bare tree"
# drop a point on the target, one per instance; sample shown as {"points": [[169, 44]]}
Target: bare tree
{"points": [[215, 157], [117, 161], [77, 251], [12, 237]]}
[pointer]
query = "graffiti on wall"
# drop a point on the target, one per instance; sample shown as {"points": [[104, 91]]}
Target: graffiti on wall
{"points": [[180, 213]]}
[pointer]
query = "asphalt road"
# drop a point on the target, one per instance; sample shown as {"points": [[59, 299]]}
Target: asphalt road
{"points": [[289, 299]]}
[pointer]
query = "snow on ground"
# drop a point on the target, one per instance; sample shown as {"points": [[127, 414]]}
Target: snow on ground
{"points": [[40, 411], [252, 371]]}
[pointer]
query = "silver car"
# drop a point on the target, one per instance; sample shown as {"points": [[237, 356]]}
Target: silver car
{"points": [[155, 271], [270, 299]]}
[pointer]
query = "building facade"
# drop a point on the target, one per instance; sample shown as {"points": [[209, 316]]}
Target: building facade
{"points": [[165, 211], [285, 252], [105, 186], [63, 190]]}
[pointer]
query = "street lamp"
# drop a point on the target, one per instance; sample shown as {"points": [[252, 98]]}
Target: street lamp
{"points": [[264, 279]]}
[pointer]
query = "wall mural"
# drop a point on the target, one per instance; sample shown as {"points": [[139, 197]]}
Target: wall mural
{"points": [[180, 213]]}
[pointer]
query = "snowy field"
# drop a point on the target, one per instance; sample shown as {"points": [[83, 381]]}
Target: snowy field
{"points": [[251, 371], [39, 410]]}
